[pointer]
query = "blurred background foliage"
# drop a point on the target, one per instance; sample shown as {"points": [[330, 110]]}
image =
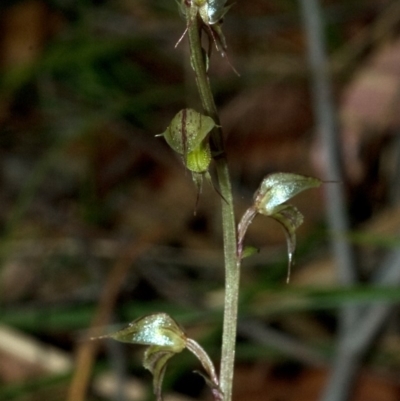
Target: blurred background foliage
{"points": [[97, 215]]}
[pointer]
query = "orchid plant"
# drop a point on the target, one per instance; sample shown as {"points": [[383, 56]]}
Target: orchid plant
{"points": [[197, 137]]}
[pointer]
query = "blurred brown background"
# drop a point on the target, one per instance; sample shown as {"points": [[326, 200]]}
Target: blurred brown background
{"points": [[97, 215]]}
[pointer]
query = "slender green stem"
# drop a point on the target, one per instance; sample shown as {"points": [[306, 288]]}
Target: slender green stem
{"points": [[232, 265]]}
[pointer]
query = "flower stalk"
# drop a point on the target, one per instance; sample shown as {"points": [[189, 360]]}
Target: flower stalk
{"points": [[232, 263]]}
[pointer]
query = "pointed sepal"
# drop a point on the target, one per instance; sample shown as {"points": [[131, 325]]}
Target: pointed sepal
{"points": [[290, 219], [155, 360]]}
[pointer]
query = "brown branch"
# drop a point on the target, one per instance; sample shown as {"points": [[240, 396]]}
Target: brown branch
{"points": [[86, 351]]}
